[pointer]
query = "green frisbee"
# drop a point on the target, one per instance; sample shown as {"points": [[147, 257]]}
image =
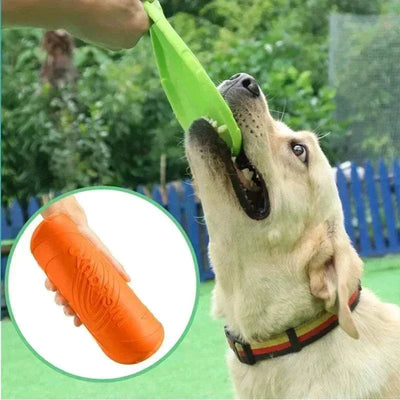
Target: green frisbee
{"points": [[189, 89]]}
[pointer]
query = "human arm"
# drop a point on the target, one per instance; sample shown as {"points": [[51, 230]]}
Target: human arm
{"points": [[114, 24]]}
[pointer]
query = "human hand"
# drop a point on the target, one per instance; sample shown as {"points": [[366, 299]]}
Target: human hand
{"points": [[114, 24], [71, 207]]}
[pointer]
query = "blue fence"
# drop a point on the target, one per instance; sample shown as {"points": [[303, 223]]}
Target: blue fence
{"points": [[371, 205], [370, 198]]}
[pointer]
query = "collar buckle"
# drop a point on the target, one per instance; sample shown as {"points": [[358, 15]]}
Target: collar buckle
{"points": [[243, 352]]}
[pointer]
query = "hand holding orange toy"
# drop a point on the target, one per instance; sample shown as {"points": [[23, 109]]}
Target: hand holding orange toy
{"points": [[92, 285], [69, 206]]}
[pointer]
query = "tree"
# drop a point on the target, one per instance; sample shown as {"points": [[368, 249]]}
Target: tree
{"points": [[369, 86]]}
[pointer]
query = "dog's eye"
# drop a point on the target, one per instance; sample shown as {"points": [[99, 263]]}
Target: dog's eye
{"points": [[300, 151]]}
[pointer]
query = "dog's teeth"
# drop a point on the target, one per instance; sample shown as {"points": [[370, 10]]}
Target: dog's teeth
{"points": [[222, 129], [212, 122], [248, 174]]}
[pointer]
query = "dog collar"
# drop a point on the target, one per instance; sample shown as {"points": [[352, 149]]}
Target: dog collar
{"points": [[290, 341]]}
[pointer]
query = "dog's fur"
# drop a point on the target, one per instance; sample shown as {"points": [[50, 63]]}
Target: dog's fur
{"points": [[279, 272]]}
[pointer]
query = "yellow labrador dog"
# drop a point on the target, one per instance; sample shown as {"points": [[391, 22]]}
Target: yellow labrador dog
{"points": [[286, 272]]}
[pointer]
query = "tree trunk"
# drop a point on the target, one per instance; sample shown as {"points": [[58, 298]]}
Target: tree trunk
{"points": [[58, 68]]}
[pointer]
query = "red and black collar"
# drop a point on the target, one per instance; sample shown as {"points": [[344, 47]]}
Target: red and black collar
{"points": [[290, 341]]}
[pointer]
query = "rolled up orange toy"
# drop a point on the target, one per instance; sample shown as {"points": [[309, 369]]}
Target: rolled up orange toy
{"points": [[122, 325]]}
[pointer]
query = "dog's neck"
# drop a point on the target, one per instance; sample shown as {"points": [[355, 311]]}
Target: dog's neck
{"points": [[260, 293]]}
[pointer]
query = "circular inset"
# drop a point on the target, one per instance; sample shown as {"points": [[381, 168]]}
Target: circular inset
{"points": [[79, 243]]}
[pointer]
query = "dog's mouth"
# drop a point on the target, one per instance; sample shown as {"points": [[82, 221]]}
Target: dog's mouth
{"points": [[248, 183], [249, 187]]}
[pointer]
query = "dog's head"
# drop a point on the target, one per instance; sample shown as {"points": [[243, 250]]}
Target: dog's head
{"points": [[277, 191], [281, 181]]}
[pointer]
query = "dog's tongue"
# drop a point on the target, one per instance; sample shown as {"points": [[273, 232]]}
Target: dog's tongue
{"points": [[244, 181]]}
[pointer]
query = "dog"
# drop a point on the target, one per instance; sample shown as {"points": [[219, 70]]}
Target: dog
{"points": [[283, 262]]}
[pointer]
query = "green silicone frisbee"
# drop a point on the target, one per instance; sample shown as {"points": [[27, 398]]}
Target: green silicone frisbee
{"points": [[189, 89]]}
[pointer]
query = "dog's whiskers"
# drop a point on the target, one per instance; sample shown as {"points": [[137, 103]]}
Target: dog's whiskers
{"points": [[283, 112], [324, 135]]}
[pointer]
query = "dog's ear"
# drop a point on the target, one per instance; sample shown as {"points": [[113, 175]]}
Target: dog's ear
{"points": [[335, 280]]}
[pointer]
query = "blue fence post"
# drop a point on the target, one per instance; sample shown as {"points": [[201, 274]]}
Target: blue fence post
{"points": [[33, 206], [345, 199], [356, 185], [141, 189], [374, 207], [6, 233], [394, 244], [190, 208], [396, 177], [174, 203], [156, 195], [17, 219], [10, 230]]}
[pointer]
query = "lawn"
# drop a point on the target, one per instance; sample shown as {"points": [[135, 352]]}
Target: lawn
{"points": [[195, 370]]}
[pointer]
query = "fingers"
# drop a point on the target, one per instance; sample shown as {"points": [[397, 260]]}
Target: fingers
{"points": [[50, 285], [71, 207], [68, 311], [60, 300]]}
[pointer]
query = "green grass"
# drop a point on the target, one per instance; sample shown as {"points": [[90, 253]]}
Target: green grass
{"points": [[196, 369]]}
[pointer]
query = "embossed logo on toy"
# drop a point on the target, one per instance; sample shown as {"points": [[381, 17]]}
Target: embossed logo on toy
{"points": [[94, 290]]}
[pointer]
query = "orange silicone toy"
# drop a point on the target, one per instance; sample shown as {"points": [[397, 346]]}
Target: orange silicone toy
{"points": [[121, 324]]}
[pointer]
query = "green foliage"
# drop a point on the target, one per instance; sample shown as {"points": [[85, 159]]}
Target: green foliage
{"points": [[50, 140], [391, 7], [368, 86], [109, 129], [172, 7], [114, 125]]}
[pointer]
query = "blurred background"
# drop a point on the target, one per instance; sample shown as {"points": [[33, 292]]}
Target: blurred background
{"points": [[98, 117], [76, 115]]}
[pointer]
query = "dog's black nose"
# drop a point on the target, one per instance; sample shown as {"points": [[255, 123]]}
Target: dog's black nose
{"points": [[246, 81]]}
